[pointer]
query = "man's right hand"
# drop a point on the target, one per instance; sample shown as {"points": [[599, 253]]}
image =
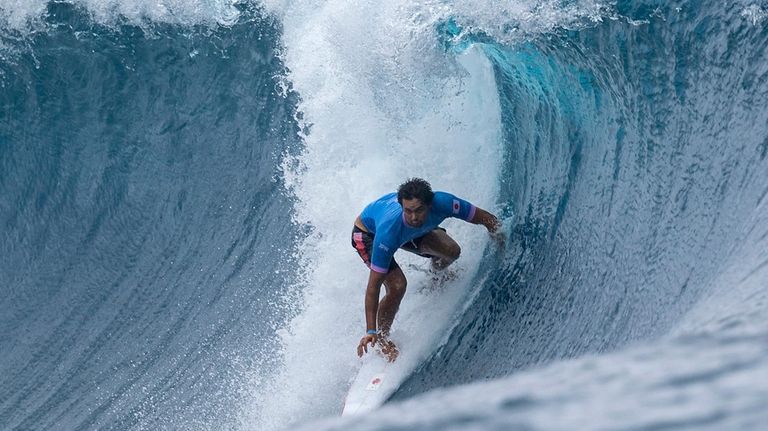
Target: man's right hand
{"points": [[363, 346]]}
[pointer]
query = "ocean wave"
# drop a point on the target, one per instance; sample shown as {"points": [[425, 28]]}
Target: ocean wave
{"points": [[29, 16]]}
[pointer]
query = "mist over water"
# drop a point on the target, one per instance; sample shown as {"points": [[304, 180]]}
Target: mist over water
{"points": [[179, 180]]}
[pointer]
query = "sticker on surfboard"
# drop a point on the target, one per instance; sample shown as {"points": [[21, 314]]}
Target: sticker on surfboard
{"points": [[375, 382]]}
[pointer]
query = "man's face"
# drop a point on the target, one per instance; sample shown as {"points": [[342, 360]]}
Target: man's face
{"points": [[415, 212]]}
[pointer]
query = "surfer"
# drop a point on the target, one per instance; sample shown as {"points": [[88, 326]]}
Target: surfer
{"points": [[408, 220]]}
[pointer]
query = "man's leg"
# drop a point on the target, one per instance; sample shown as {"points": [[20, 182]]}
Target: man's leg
{"points": [[444, 249], [395, 284], [395, 290]]}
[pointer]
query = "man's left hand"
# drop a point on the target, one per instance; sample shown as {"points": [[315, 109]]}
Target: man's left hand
{"points": [[363, 346]]}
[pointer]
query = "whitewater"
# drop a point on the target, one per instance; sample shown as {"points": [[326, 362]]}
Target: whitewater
{"points": [[178, 181]]}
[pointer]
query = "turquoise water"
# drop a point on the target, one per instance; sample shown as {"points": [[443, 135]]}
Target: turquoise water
{"points": [[178, 183]]}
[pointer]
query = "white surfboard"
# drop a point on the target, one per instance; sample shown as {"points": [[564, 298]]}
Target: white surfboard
{"points": [[374, 383], [425, 320]]}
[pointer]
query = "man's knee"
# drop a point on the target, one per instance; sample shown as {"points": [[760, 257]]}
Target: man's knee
{"points": [[396, 285], [441, 245], [454, 250], [450, 252]]}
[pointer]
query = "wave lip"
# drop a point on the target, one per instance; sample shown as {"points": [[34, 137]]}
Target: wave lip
{"points": [[29, 15]]}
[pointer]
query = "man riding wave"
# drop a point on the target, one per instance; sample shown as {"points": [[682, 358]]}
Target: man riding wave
{"points": [[408, 219]]}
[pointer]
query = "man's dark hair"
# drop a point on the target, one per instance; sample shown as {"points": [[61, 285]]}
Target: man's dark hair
{"points": [[415, 188]]}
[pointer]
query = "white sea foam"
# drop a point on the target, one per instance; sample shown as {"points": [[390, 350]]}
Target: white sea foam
{"points": [[382, 101], [754, 14], [25, 15]]}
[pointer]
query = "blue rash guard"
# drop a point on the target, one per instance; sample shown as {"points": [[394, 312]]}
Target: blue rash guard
{"points": [[384, 219]]}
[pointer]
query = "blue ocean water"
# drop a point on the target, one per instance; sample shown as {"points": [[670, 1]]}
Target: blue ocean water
{"points": [[178, 181]]}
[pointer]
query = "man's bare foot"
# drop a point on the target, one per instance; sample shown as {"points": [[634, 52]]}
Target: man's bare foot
{"points": [[388, 349], [438, 279], [437, 264]]}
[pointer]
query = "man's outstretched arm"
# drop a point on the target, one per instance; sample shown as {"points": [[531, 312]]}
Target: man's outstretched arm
{"points": [[375, 280], [486, 219]]}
